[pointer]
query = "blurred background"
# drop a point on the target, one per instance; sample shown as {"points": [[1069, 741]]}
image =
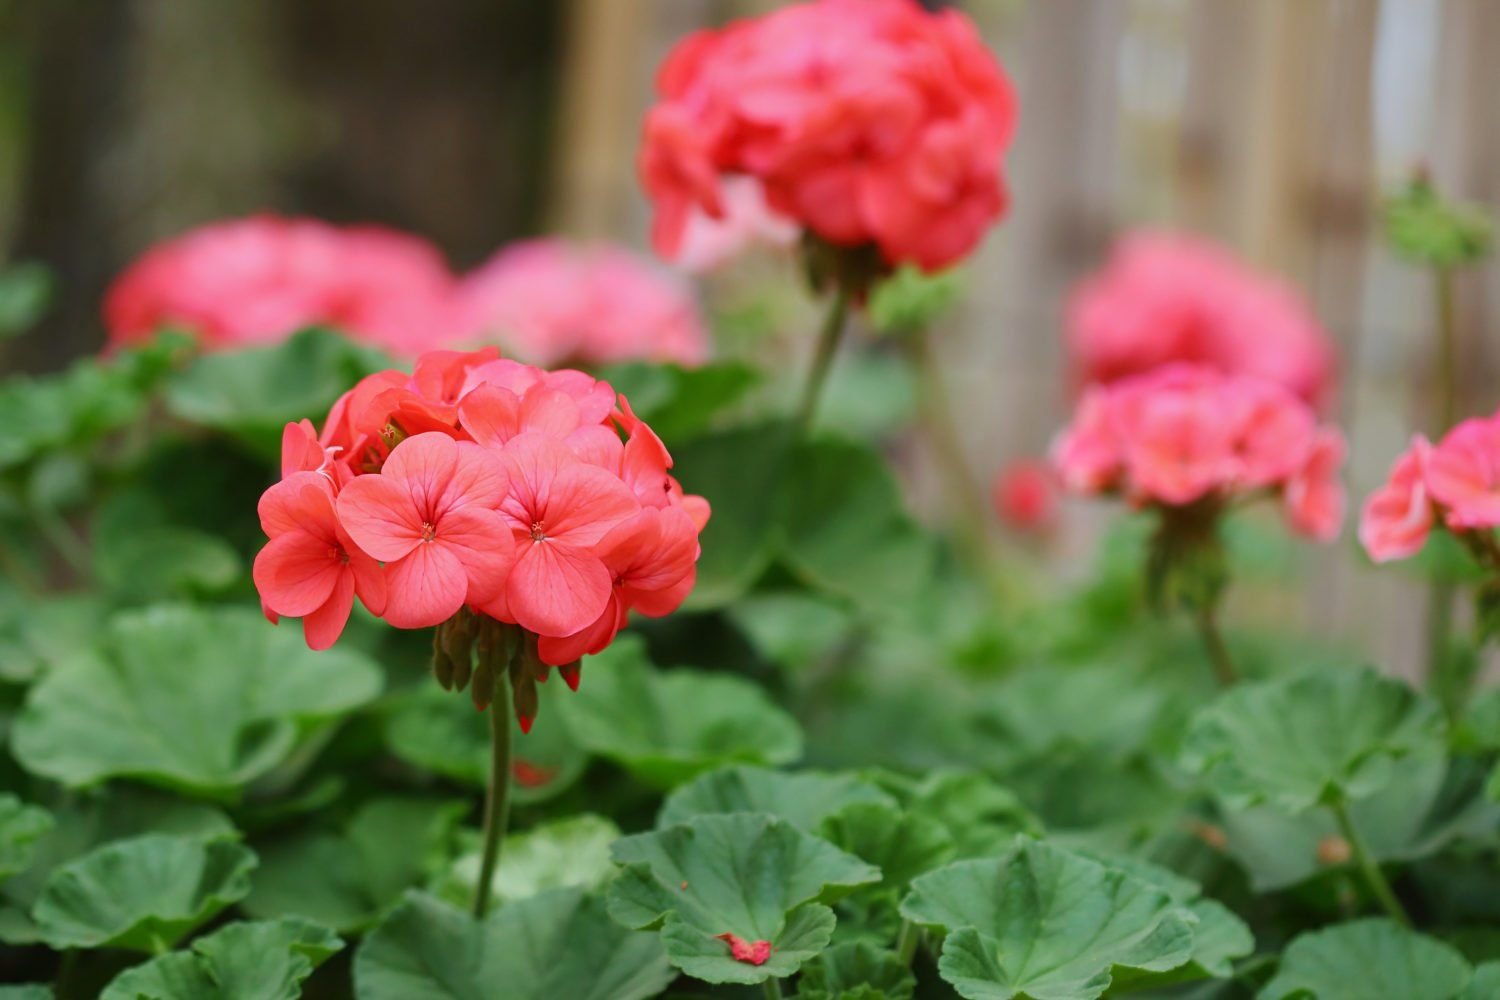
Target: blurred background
{"points": [[1273, 126]]}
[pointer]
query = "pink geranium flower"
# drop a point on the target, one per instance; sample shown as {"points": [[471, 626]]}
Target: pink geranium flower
{"points": [[1398, 517], [430, 516], [558, 508], [1314, 496], [311, 569], [1463, 474], [1024, 495]]}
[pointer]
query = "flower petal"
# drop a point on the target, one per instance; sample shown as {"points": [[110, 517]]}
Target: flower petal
{"points": [[556, 589], [425, 588], [323, 627], [483, 541], [296, 572], [379, 514]]}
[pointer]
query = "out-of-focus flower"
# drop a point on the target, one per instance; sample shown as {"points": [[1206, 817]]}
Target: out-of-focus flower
{"points": [[549, 301], [1398, 517], [1167, 298], [709, 243], [258, 280], [868, 122], [1187, 433], [1025, 496]]}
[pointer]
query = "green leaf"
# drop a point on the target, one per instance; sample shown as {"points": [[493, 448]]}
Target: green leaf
{"points": [[750, 875], [1297, 742], [21, 826], [440, 732], [901, 844], [243, 961], [37, 633], [738, 542], [856, 971], [26, 290], [163, 561], [27, 991], [1372, 959], [666, 727], [558, 945], [194, 699], [84, 822], [1046, 923], [845, 528], [676, 401], [253, 393], [1485, 985], [910, 300], [1425, 228], [143, 893], [572, 851], [346, 882], [982, 817], [803, 799]]}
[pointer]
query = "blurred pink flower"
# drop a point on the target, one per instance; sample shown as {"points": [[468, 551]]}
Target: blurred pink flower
{"points": [[1463, 474], [1164, 298], [709, 243], [1398, 517], [1314, 496], [866, 121], [260, 279], [1025, 496], [547, 301]]}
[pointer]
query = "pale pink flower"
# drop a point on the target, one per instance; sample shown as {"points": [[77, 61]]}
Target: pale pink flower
{"points": [[1398, 517]]}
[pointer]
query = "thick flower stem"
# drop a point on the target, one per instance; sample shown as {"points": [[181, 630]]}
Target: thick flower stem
{"points": [[906, 942], [772, 989], [497, 795], [1373, 876], [1207, 619], [1440, 593], [828, 345]]}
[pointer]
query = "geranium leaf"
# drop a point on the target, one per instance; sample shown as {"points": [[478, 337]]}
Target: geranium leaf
{"points": [[267, 960], [573, 851], [27, 991], [679, 401], [143, 893], [440, 732], [856, 971], [752, 876], [901, 844], [982, 817], [1293, 743], [1047, 923], [1485, 984], [1373, 959], [21, 826], [666, 727], [346, 882], [803, 799], [555, 945], [196, 699]]}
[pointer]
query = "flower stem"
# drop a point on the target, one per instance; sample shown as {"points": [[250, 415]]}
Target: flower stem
{"points": [[772, 989], [828, 343], [1373, 876], [906, 942], [1440, 592], [497, 795], [1207, 619]]}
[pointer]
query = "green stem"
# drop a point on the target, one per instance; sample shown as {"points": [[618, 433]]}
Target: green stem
{"points": [[906, 942], [772, 989], [828, 344], [496, 796], [1207, 619], [65, 539], [1440, 593], [1373, 876]]}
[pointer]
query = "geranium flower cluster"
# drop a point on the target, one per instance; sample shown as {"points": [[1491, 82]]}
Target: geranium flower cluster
{"points": [[1167, 298], [1186, 434], [259, 280], [868, 122], [1453, 485], [479, 485]]}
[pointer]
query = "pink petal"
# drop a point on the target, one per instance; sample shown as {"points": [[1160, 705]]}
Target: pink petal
{"points": [[479, 479], [484, 542], [425, 588], [323, 627], [556, 651], [422, 466], [283, 507], [549, 411], [378, 513], [491, 414], [296, 572], [556, 589], [597, 444], [369, 579]]}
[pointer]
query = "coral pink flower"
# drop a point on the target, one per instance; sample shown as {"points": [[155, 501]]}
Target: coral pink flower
{"points": [[548, 301], [1398, 517], [1463, 474], [1314, 495], [1166, 298], [865, 121], [1024, 494], [430, 516], [1179, 447], [311, 569], [559, 509], [709, 242], [651, 558]]}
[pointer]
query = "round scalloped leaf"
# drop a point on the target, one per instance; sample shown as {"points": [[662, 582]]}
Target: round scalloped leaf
{"points": [[667, 727], [21, 826], [196, 699], [1374, 959], [752, 876], [560, 944], [346, 881], [573, 851], [439, 731], [1047, 923], [856, 971], [901, 844], [143, 893], [982, 817], [1296, 742], [803, 799], [1485, 985], [244, 961]]}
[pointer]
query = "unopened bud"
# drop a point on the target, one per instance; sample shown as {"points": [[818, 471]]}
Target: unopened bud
{"points": [[442, 665], [1210, 834], [483, 688], [572, 673], [1334, 851]]}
